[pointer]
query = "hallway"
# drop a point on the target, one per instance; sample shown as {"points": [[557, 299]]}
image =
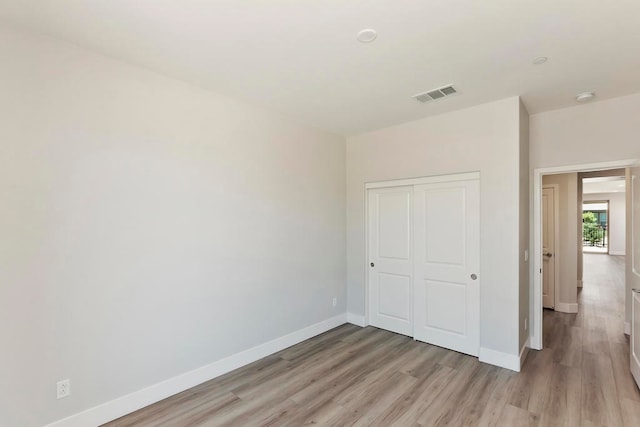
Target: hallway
{"points": [[589, 352]]}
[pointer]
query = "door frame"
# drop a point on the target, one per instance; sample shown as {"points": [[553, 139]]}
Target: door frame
{"points": [[464, 176], [535, 295], [556, 240]]}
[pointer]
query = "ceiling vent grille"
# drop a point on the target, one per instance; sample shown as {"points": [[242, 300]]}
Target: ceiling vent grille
{"points": [[434, 94]]}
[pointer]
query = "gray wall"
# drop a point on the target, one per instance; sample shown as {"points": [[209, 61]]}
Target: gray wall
{"points": [[149, 227]]}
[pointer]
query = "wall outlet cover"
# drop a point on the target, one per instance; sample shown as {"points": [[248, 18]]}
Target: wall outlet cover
{"points": [[63, 388]]}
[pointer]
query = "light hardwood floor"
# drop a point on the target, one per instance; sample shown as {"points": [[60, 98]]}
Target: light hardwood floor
{"points": [[367, 376]]}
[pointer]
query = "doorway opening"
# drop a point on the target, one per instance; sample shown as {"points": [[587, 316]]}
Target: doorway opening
{"points": [[568, 251], [595, 227], [423, 259]]}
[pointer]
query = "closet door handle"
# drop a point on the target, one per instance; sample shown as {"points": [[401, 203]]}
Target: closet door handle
{"points": [[474, 276]]}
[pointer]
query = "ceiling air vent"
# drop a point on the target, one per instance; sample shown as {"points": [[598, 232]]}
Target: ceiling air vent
{"points": [[435, 94]]}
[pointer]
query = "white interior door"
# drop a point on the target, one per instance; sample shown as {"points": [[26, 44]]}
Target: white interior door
{"points": [[635, 335], [548, 247], [446, 265], [635, 273], [390, 259]]}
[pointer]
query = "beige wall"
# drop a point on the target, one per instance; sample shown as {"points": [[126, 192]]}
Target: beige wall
{"points": [[595, 132], [149, 227], [483, 138]]}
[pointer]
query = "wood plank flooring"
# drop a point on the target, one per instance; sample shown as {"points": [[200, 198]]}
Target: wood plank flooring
{"points": [[366, 376]]}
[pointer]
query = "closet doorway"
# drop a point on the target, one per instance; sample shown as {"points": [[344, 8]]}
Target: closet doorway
{"points": [[424, 259]]}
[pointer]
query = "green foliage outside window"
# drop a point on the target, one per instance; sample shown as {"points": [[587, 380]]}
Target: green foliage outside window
{"points": [[592, 232]]}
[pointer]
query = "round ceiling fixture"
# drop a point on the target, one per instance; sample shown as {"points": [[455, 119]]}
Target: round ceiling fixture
{"points": [[585, 96], [540, 60], [367, 35]]}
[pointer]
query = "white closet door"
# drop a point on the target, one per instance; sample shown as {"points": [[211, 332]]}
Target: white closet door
{"points": [[447, 261], [390, 253]]}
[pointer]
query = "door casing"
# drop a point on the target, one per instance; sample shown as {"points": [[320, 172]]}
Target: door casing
{"points": [[556, 241], [535, 295]]}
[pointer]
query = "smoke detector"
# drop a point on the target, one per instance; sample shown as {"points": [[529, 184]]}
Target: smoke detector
{"points": [[435, 94], [585, 96], [367, 35]]}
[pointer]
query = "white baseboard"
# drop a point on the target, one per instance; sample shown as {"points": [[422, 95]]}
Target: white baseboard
{"points": [[580, 282], [524, 352], [498, 358], [621, 253], [627, 328], [139, 399], [356, 319], [565, 307]]}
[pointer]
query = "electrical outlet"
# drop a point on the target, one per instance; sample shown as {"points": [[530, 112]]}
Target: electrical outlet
{"points": [[63, 388], [335, 301], [525, 323]]}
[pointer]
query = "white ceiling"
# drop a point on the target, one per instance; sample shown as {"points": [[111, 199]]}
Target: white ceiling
{"points": [[302, 57], [612, 184]]}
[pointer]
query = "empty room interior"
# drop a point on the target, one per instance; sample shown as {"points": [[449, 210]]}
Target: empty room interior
{"points": [[252, 213]]}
